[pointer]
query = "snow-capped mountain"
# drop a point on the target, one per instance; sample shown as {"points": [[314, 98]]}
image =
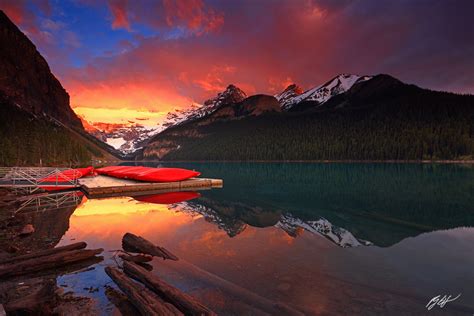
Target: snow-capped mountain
{"points": [[287, 96], [229, 96], [323, 227], [322, 93], [127, 137], [231, 226], [132, 136], [293, 226]]}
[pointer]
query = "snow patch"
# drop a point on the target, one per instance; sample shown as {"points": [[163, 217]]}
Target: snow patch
{"points": [[323, 93], [116, 142]]}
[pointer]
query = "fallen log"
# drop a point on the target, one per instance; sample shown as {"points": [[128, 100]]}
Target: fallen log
{"points": [[47, 262], [121, 301], [140, 258], [184, 302], [36, 299], [134, 243], [75, 246], [147, 302]]}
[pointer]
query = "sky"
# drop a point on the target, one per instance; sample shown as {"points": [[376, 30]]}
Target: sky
{"points": [[121, 59]]}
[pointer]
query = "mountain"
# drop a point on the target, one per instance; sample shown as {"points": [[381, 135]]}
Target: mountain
{"points": [[230, 95], [339, 236], [26, 78], [320, 94], [37, 124], [124, 137], [348, 118], [225, 218], [222, 111], [287, 96], [130, 137]]}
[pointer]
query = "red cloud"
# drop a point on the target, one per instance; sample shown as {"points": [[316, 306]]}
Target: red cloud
{"points": [[119, 9], [193, 15], [264, 45], [15, 10]]}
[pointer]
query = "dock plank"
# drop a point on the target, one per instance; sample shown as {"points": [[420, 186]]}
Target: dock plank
{"points": [[105, 186]]}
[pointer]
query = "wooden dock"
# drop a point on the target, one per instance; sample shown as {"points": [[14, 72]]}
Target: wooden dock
{"points": [[103, 186]]}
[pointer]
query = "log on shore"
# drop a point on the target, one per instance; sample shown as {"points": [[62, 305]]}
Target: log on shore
{"points": [[47, 252], [121, 301], [147, 302], [47, 262], [140, 258], [184, 302], [134, 243], [36, 299]]}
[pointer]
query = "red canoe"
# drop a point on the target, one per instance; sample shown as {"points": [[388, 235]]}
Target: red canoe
{"points": [[168, 198], [165, 175], [62, 180], [148, 174], [106, 170], [127, 173], [68, 175]]}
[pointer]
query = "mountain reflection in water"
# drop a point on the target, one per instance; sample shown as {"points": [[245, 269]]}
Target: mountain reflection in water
{"points": [[297, 234]]}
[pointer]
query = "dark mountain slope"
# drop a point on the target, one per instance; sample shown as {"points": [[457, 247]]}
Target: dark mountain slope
{"points": [[251, 106], [26, 139], [37, 125], [26, 78], [379, 119], [170, 139]]}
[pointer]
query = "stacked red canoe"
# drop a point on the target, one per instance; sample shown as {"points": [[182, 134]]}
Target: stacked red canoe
{"points": [[68, 175], [148, 174], [62, 180]]}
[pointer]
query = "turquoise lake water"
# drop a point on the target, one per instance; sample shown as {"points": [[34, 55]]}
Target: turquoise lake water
{"points": [[322, 239]]}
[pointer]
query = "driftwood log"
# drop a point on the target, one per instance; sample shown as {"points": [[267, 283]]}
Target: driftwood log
{"points": [[140, 258], [121, 301], [36, 299], [47, 262], [75, 246], [184, 302], [147, 302], [134, 243]]}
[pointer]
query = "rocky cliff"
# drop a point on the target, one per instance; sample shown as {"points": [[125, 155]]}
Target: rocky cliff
{"points": [[26, 78]]}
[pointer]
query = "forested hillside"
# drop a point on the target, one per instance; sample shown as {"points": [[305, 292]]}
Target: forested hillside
{"points": [[381, 119], [29, 140]]}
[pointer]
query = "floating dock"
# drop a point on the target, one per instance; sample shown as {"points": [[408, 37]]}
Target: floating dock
{"points": [[104, 186], [31, 179]]}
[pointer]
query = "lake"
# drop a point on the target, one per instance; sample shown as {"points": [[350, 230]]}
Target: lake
{"points": [[324, 239]]}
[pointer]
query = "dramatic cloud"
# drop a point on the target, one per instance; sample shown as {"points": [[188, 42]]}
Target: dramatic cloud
{"points": [[20, 12], [160, 55], [119, 13], [193, 15]]}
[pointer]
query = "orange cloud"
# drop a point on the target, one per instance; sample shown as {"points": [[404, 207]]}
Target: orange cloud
{"points": [[111, 103], [213, 81], [119, 9], [190, 51]]}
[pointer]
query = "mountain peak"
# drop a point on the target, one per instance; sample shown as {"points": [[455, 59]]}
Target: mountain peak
{"points": [[232, 94], [320, 94], [285, 98]]}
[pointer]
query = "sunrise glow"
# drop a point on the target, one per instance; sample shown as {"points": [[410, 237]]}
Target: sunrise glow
{"points": [[153, 57]]}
